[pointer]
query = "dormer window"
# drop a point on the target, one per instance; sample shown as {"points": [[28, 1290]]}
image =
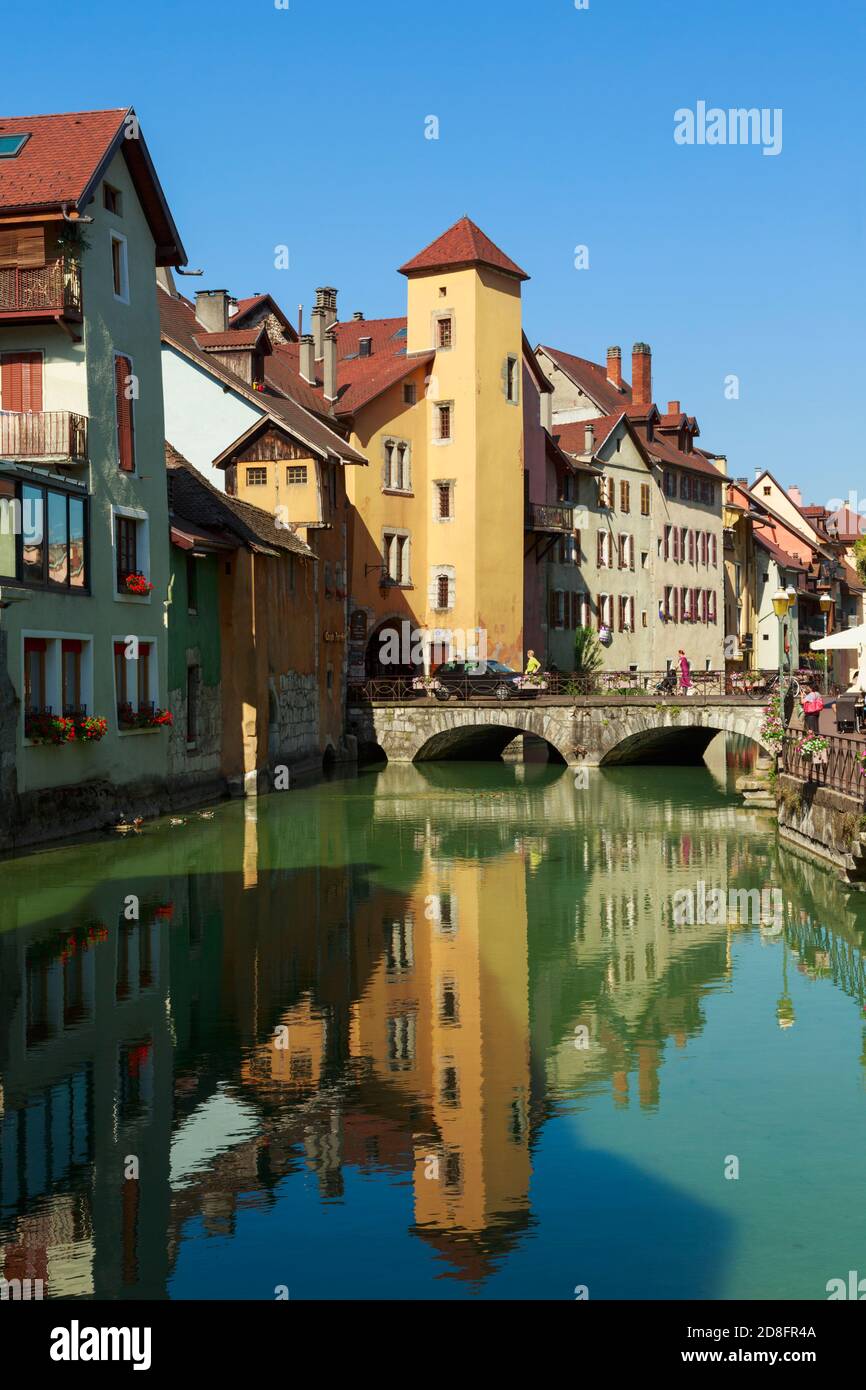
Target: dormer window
{"points": [[12, 145], [365, 347]]}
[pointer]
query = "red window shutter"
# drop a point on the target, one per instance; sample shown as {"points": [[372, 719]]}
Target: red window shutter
{"points": [[599, 603], [667, 542], [35, 644], [125, 429], [21, 381]]}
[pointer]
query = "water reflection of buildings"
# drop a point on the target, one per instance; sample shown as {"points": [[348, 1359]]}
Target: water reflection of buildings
{"points": [[411, 1014]]}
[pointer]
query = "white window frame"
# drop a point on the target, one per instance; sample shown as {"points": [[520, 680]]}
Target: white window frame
{"points": [[396, 444], [54, 671], [142, 547], [118, 237], [512, 362], [403, 580], [153, 684]]}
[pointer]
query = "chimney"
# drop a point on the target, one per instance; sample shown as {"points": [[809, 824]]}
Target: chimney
{"points": [[589, 439], [212, 310], [641, 374], [614, 366], [330, 366], [300, 320], [308, 358], [795, 495], [318, 317], [674, 408], [358, 316], [326, 298]]}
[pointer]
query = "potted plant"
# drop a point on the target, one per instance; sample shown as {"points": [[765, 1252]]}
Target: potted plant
{"points": [[428, 684], [137, 584], [90, 728], [813, 749]]}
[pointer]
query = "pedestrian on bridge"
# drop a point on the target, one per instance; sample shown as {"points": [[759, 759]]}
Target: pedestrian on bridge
{"points": [[685, 674]]}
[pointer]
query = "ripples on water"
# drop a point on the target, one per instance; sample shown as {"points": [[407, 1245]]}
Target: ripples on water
{"points": [[432, 1032]]}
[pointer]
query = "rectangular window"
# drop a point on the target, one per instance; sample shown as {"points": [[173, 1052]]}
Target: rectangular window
{"points": [[58, 539], [667, 542], [410, 393], [112, 200], [670, 485], [53, 536], [443, 491], [624, 496], [296, 474], [257, 477], [511, 379], [34, 675], [396, 557], [123, 386], [191, 584], [442, 591], [133, 675], [444, 413], [644, 499], [444, 333], [119, 268], [685, 487], [193, 684], [71, 675], [126, 549]]}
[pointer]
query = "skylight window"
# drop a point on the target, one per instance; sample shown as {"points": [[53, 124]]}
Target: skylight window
{"points": [[11, 145]]}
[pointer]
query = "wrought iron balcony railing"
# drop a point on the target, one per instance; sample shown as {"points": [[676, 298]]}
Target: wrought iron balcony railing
{"points": [[54, 288], [46, 435], [543, 516]]}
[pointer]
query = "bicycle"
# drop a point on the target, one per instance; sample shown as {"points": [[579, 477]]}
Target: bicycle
{"points": [[763, 685]]}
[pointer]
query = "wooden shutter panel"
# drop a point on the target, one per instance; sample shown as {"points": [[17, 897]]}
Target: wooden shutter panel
{"points": [[125, 429], [31, 247], [8, 248], [21, 381], [551, 609]]}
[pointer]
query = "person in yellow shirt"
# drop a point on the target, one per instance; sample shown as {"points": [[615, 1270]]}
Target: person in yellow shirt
{"points": [[532, 664]]}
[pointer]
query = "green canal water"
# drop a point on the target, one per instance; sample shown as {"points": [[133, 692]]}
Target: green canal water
{"points": [[434, 1032]]}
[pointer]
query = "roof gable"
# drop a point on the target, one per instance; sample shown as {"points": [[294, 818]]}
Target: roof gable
{"points": [[464, 244]]}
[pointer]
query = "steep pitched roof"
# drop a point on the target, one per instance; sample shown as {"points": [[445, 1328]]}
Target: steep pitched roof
{"points": [[462, 245], [63, 160], [592, 379], [193, 499], [246, 307], [181, 329], [244, 337]]}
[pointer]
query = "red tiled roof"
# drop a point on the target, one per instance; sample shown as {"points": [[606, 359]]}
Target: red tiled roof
{"points": [[463, 244], [788, 562], [572, 436], [359, 379], [58, 161], [242, 337], [64, 157], [181, 328], [591, 377]]}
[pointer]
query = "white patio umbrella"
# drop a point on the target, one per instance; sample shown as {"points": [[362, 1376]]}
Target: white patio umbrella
{"points": [[847, 639]]}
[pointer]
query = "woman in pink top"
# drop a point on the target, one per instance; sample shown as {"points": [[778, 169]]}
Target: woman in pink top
{"points": [[812, 705]]}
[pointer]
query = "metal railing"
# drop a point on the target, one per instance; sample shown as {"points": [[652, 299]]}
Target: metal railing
{"points": [[840, 768], [44, 434], [55, 286], [645, 687], [543, 516]]}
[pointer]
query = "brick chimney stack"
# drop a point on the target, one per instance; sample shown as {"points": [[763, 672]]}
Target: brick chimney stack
{"points": [[589, 439], [318, 318], [795, 495], [674, 408], [641, 374], [326, 298], [614, 366]]}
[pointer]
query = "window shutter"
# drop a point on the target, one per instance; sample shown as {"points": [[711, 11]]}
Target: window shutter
{"points": [[631, 552], [125, 429], [8, 249], [715, 544], [21, 381], [31, 247]]}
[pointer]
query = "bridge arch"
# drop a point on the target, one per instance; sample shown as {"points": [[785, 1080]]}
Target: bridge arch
{"points": [[589, 735]]}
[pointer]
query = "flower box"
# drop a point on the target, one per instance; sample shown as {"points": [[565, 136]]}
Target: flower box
{"points": [[137, 584], [531, 683], [426, 683], [57, 729], [148, 717]]}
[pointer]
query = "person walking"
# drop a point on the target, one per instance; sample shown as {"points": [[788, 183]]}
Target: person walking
{"points": [[532, 664], [685, 673], [813, 703]]}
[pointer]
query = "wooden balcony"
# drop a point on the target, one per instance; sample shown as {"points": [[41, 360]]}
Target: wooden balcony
{"points": [[543, 516], [34, 294], [48, 436]]}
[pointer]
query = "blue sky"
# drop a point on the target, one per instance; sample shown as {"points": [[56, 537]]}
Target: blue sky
{"points": [[306, 127]]}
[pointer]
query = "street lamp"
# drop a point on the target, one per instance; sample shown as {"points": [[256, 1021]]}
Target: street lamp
{"points": [[780, 608], [825, 603]]}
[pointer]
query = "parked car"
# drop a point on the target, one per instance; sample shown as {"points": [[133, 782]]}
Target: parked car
{"points": [[473, 679]]}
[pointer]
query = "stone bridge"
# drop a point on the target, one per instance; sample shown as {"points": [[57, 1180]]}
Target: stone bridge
{"points": [[589, 733]]}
